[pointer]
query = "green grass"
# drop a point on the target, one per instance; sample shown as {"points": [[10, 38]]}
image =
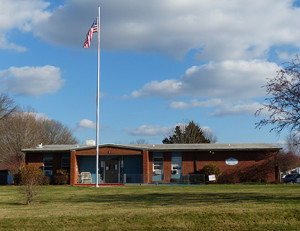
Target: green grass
{"points": [[150, 207]]}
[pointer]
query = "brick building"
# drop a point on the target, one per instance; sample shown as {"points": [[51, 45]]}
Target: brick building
{"points": [[5, 177], [149, 163]]}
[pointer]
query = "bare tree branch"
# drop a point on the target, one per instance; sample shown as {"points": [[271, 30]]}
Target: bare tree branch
{"points": [[7, 106], [21, 130], [284, 101]]}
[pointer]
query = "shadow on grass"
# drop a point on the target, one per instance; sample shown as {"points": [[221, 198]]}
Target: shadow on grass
{"points": [[128, 197], [179, 198]]}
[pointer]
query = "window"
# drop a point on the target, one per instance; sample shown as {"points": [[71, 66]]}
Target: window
{"points": [[48, 164], [65, 162], [48, 161], [158, 163], [176, 164]]}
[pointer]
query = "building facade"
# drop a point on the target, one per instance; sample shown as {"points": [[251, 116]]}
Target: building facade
{"points": [[5, 177], [150, 163]]}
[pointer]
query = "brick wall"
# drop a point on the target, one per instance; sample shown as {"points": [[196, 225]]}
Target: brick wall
{"points": [[56, 162], [167, 166], [146, 169], [150, 164], [251, 164], [258, 163], [35, 159], [74, 177], [188, 163]]}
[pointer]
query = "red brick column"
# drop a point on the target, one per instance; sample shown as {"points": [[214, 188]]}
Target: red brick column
{"points": [[188, 163], [146, 173], [167, 166], [73, 169]]}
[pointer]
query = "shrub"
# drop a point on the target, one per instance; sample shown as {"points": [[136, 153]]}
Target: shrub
{"points": [[61, 177], [263, 181], [17, 178], [30, 177], [211, 169], [257, 181], [46, 180], [229, 178], [175, 180]]}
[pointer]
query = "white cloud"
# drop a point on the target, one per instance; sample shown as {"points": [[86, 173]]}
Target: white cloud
{"points": [[32, 81], [21, 15], [227, 85], [86, 124], [195, 103], [217, 29], [38, 116], [223, 108], [227, 79], [241, 109], [207, 129], [286, 56], [165, 88], [284, 144], [150, 130], [156, 130]]}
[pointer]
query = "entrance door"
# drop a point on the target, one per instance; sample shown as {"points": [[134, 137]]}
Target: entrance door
{"points": [[112, 171]]}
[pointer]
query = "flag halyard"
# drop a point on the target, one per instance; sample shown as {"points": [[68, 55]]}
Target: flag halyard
{"points": [[93, 29]]}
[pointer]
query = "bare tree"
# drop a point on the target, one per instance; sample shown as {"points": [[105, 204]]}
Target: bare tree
{"points": [[208, 134], [54, 132], [287, 161], [7, 106], [284, 101], [139, 141], [22, 130], [18, 131], [293, 142]]}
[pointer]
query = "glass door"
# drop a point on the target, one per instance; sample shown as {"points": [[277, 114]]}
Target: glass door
{"points": [[158, 167], [112, 171]]}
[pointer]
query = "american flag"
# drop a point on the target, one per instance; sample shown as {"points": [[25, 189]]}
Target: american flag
{"points": [[94, 29]]}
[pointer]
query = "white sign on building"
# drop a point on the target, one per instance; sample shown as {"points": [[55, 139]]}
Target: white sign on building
{"points": [[231, 161]]}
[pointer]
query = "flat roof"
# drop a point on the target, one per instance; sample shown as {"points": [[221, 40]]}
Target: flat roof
{"points": [[159, 147], [212, 146]]}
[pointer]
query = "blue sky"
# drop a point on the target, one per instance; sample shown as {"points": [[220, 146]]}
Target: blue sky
{"points": [[162, 63]]}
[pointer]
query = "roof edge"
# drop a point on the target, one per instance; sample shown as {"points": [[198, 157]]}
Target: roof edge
{"points": [[161, 147]]}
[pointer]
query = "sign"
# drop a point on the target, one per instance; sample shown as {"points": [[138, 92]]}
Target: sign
{"points": [[231, 161], [211, 177]]}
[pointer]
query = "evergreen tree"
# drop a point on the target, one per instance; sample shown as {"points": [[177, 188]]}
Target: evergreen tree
{"points": [[189, 134]]}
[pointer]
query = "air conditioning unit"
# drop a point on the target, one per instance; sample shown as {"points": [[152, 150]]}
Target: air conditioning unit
{"points": [[174, 171], [157, 172]]}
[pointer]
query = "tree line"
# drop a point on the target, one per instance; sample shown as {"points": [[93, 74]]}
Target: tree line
{"points": [[20, 129]]}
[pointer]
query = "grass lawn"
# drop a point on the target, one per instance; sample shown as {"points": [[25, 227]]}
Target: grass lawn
{"points": [[150, 207]]}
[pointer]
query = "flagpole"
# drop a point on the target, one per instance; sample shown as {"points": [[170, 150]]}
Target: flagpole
{"points": [[98, 97]]}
